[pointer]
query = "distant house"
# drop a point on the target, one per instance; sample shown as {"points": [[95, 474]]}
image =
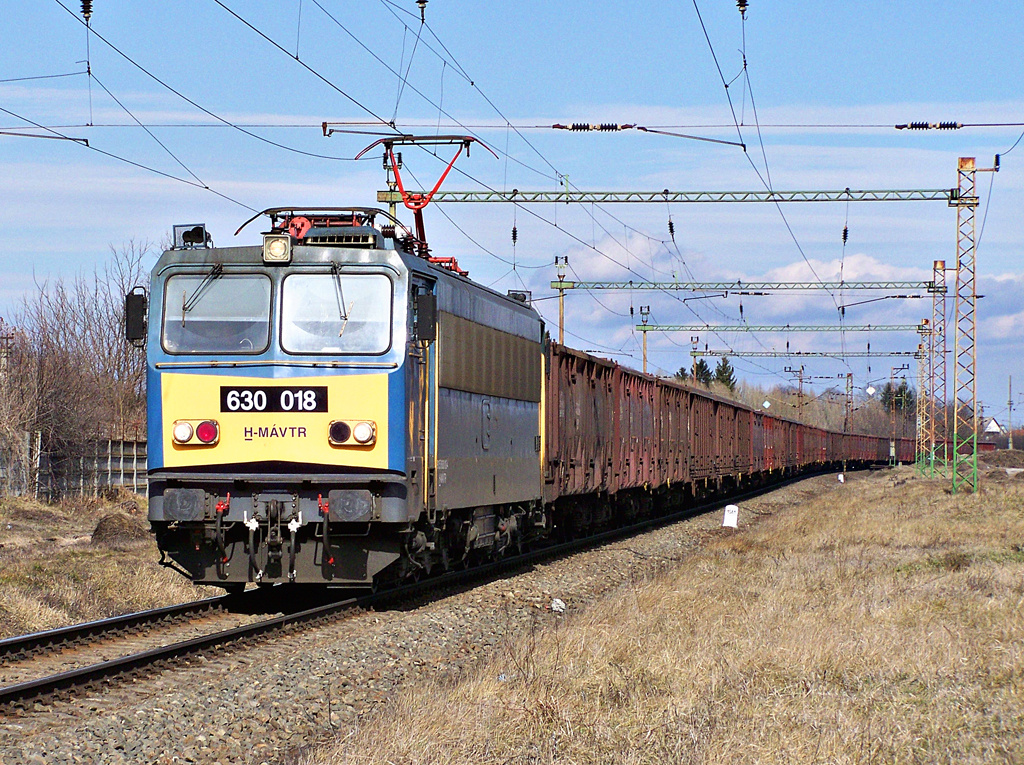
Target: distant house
{"points": [[992, 428]]}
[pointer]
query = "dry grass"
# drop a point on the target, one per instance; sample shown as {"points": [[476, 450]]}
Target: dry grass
{"points": [[878, 622], [54, 572]]}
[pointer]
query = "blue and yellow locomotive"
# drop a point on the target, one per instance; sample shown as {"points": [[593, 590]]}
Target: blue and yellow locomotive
{"points": [[333, 408]]}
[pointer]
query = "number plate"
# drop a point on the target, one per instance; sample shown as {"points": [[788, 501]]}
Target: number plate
{"points": [[312, 398]]}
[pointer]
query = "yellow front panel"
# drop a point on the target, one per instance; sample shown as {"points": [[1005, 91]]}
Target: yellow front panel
{"points": [[288, 436]]}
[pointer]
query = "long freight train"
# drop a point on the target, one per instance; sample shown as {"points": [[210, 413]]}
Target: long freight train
{"points": [[332, 408]]}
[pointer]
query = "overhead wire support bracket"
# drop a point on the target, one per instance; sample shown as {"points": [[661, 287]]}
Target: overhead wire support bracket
{"points": [[83, 141]]}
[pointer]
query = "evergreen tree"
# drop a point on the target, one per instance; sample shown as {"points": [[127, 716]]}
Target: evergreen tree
{"points": [[901, 396], [725, 374], [683, 374], [702, 372]]}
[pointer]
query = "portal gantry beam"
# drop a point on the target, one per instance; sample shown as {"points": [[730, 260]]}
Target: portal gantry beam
{"points": [[802, 354], [649, 197], [779, 328], [742, 287]]}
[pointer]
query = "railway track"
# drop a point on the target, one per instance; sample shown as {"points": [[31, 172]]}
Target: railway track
{"points": [[23, 646], [91, 676]]}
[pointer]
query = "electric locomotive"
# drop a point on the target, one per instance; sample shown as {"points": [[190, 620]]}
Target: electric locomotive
{"points": [[332, 407]]}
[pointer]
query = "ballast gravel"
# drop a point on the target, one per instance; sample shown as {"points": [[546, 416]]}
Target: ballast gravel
{"points": [[269, 701]]}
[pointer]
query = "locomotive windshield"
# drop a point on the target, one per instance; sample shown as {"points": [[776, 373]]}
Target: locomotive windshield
{"points": [[336, 313], [216, 313]]}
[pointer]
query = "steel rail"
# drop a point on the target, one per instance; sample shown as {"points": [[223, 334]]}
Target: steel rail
{"points": [[24, 645], [84, 676]]}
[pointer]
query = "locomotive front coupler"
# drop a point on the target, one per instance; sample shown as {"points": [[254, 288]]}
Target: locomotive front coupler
{"points": [[274, 541]]}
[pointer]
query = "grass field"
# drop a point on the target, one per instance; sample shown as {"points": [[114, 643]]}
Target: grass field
{"points": [[80, 560], [880, 621]]}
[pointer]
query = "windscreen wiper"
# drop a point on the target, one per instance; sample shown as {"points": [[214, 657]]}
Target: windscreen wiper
{"points": [[188, 303], [343, 312]]}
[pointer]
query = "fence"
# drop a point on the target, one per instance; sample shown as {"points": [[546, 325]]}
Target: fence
{"points": [[102, 466]]}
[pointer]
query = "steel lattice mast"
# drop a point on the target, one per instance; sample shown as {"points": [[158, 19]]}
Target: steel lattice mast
{"points": [[965, 414], [937, 368], [921, 404]]}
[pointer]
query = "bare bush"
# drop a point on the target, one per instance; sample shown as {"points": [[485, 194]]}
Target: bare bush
{"points": [[69, 375]]}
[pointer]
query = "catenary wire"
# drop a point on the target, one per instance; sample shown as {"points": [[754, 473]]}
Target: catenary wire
{"points": [[188, 100], [131, 162]]}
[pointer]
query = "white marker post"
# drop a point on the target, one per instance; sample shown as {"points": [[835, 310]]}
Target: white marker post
{"points": [[732, 516]]}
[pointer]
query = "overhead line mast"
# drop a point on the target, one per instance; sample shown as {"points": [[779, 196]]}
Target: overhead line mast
{"points": [[965, 355]]}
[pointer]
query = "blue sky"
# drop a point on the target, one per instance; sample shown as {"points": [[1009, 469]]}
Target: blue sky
{"points": [[533, 64]]}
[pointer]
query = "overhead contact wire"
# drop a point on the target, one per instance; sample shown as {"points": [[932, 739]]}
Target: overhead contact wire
{"points": [[201, 108], [131, 162]]}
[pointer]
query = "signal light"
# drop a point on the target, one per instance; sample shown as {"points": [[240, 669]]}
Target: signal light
{"points": [[207, 431], [339, 432], [352, 433], [195, 432]]}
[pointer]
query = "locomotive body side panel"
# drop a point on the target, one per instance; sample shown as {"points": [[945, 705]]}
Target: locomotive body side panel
{"points": [[488, 357]]}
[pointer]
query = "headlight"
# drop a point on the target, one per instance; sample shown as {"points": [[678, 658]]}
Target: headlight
{"points": [[182, 432], [277, 248], [363, 432], [352, 433], [339, 432], [195, 432]]}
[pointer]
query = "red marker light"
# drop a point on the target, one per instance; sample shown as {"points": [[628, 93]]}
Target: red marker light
{"points": [[207, 432]]}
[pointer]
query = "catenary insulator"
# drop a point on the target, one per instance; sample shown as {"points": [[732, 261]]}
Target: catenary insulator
{"points": [[846, 233], [515, 234], [742, 5], [671, 229], [87, 9]]}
